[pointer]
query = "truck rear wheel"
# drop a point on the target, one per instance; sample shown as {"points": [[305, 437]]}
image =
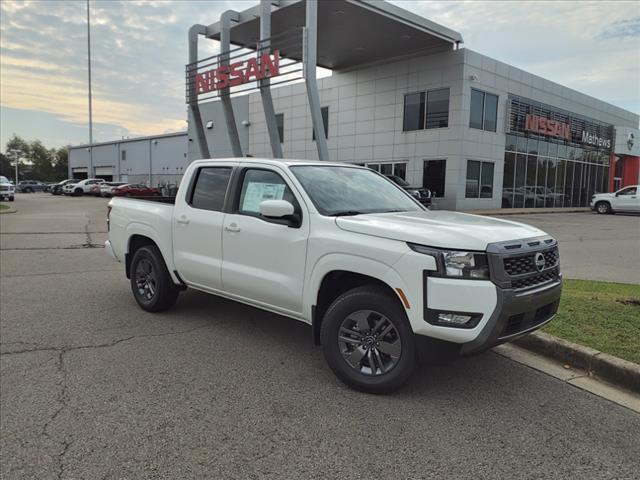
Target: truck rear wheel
{"points": [[367, 340], [151, 282]]}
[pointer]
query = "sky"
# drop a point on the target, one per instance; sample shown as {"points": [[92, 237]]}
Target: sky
{"points": [[139, 51]]}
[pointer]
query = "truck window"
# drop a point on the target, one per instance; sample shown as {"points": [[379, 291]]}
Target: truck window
{"points": [[260, 185], [210, 188]]}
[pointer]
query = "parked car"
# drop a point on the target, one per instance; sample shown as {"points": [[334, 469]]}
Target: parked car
{"points": [[30, 186], [135, 190], [7, 190], [423, 195], [56, 188], [375, 273], [626, 199], [82, 187], [107, 187]]}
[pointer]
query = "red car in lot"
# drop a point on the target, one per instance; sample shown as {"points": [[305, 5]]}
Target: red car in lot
{"points": [[135, 190]]}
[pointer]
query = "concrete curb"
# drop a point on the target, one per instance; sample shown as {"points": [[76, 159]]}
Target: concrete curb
{"points": [[9, 210], [606, 367]]}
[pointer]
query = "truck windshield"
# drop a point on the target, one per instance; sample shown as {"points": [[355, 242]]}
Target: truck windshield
{"points": [[337, 190]]}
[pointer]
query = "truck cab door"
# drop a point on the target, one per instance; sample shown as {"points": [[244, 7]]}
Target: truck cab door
{"points": [[197, 227], [627, 200], [264, 259]]}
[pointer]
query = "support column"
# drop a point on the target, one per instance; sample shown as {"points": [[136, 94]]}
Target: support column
{"points": [[309, 62], [194, 108], [265, 89], [225, 45]]}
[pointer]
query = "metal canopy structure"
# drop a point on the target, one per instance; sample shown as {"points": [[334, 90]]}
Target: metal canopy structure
{"points": [[336, 34], [351, 33]]}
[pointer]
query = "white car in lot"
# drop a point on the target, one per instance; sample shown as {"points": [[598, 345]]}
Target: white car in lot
{"points": [[106, 189], [7, 189], [82, 187], [626, 199], [378, 276]]}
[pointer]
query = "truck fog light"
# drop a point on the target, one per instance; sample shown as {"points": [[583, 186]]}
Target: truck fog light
{"points": [[453, 318], [447, 318]]}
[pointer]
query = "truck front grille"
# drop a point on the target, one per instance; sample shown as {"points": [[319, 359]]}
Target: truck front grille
{"points": [[535, 280], [524, 264], [514, 265]]}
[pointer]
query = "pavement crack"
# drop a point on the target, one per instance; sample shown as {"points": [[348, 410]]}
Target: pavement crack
{"points": [[62, 400], [66, 349]]}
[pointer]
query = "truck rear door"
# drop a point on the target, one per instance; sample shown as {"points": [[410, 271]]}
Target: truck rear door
{"points": [[197, 226]]}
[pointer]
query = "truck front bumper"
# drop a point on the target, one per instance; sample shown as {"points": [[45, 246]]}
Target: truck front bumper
{"points": [[109, 249], [517, 312]]}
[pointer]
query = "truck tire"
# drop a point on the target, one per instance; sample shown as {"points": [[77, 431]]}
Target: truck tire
{"points": [[603, 207], [367, 340], [78, 191], [151, 283], [11, 198]]}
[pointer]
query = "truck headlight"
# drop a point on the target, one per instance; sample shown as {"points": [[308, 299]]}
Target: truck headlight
{"points": [[466, 265], [457, 264]]}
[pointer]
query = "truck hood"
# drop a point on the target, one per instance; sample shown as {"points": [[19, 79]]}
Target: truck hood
{"points": [[599, 196], [443, 229]]}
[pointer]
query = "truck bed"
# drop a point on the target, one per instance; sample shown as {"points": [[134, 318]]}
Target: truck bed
{"points": [[170, 200]]}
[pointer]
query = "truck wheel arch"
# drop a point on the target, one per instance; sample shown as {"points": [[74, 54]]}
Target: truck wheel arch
{"points": [[136, 242], [334, 284]]}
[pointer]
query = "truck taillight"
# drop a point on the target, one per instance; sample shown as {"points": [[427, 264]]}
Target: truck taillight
{"points": [[108, 216]]}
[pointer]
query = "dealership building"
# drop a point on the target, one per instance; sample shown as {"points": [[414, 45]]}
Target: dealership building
{"points": [[410, 102]]}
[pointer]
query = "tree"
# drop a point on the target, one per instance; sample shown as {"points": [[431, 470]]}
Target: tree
{"points": [[6, 169], [37, 161], [61, 163]]}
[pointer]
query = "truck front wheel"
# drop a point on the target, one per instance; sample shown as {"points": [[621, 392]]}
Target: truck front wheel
{"points": [[367, 340], [151, 283]]}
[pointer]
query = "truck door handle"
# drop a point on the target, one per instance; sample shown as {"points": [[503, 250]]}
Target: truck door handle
{"points": [[232, 228], [183, 220]]}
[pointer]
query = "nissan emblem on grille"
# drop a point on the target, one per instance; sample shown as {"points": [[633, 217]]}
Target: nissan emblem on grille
{"points": [[540, 261]]}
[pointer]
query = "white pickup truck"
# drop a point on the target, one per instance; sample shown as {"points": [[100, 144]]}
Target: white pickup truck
{"points": [[378, 276]]}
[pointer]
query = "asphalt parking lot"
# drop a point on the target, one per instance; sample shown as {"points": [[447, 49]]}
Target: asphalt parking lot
{"points": [[93, 387]]}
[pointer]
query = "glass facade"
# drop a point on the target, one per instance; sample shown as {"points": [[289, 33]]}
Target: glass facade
{"points": [[540, 172]]}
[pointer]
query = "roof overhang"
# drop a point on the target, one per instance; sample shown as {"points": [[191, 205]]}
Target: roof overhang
{"points": [[351, 33]]}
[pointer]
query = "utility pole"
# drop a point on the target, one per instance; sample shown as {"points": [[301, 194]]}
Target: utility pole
{"points": [[90, 169], [16, 156]]}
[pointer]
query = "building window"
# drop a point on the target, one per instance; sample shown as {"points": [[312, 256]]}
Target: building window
{"points": [[414, 108], [280, 125], [426, 110], [325, 122], [479, 179], [433, 176], [123, 155], [438, 108], [390, 169], [484, 111]]}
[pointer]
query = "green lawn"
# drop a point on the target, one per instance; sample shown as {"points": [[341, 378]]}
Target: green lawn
{"points": [[600, 315], [4, 207]]}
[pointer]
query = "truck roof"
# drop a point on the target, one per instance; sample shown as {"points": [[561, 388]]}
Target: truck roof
{"points": [[276, 161]]}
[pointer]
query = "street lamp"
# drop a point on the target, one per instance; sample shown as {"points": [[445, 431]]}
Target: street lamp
{"points": [[16, 154]]}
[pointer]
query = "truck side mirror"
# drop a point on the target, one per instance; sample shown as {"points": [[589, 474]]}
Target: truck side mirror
{"points": [[276, 208], [280, 209]]}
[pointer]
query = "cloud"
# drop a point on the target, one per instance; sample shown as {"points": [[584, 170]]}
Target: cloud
{"points": [[139, 52]]}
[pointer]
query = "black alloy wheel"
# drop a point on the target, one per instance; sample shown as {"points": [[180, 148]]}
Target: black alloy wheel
{"points": [[151, 283], [367, 340]]}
